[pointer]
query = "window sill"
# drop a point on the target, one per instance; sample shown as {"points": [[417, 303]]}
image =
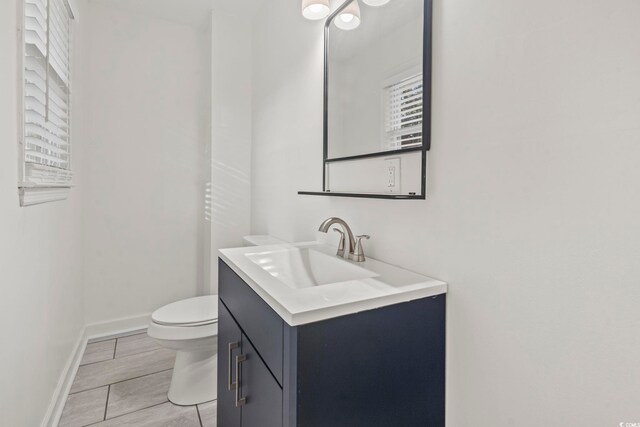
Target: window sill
{"points": [[30, 196]]}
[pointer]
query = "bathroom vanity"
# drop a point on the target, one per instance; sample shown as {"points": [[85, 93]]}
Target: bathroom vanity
{"points": [[308, 339]]}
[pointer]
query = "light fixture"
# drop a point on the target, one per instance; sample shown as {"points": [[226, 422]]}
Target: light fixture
{"points": [[349, 18], [375, 3], [315, 9]]}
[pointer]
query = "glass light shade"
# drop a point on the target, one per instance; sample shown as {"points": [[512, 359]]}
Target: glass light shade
{"points": [[375, 3], [315, 9], [349, 18]]}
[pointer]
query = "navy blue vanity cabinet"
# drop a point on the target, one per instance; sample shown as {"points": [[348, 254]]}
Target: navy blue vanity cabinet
{"points": [[263, 407], [229, 346], [377, 368], [248, 394]]}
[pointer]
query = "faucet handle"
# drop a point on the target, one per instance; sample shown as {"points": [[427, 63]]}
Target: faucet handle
{"points": [[340, 252], [358, 253]]}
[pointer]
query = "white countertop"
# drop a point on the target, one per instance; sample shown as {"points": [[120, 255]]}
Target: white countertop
{"points": [[298, 306]]}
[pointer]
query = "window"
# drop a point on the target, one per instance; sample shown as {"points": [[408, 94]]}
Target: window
{"points": [[403, 115], [45, 138]]}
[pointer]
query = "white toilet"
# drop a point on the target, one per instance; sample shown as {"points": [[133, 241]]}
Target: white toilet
{"points": [[190, 327]]}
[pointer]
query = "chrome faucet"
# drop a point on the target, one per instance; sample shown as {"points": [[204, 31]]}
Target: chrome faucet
{"points": [[356, 253]]}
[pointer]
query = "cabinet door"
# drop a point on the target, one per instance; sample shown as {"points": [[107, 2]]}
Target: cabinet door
{"points": [[263, 406], [229, 334]]}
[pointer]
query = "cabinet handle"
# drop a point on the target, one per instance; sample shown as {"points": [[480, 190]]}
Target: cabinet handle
{"points": [[232, 346], [239, 400]]}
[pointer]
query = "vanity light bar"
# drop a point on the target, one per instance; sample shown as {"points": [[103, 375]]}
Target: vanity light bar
{"points": [[375, 3], [315, 9], [348, 19]]}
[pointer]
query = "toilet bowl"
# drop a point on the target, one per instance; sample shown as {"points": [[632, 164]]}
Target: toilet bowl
{"points": [[190, 327]]}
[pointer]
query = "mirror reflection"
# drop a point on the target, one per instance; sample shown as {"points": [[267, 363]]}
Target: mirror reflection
{"points": [[374, 73]]}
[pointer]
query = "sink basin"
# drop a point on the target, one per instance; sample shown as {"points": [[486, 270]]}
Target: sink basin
{"points": [[306, 282], [306, 267]]}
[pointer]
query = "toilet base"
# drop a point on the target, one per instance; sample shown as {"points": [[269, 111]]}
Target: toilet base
{"points": [[194, 377]]}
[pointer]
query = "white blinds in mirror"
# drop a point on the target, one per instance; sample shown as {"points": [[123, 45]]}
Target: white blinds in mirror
{"points": [[47, 82], [403, 115]]}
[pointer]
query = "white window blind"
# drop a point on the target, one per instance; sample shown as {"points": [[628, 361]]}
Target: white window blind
{"points": [[46, 143], [403, 115]]}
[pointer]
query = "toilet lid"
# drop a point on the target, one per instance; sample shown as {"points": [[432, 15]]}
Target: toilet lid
{"points": [[188, 312]]}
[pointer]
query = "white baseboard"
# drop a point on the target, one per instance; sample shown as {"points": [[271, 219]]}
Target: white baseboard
{"points": [[117, 327], [52, 417], [92, 332]]}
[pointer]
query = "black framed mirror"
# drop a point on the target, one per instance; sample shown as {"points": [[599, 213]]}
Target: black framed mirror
{"points": [[377, 100]]}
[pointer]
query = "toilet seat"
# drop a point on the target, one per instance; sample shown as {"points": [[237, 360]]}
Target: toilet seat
{"points": [[190, 327], [198, 311]]}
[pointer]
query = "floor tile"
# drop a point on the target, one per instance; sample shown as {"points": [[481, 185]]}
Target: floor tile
{"points": [[125, 368], [133, 395], [164, 415], [208, 413], [98, 352], [84, 408], [135, 344]]}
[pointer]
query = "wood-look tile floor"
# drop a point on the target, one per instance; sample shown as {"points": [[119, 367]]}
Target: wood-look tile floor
{"points": [[123, 382]]}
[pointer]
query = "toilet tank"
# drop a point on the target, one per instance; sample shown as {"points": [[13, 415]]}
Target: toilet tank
{"points": [[261, 240]]}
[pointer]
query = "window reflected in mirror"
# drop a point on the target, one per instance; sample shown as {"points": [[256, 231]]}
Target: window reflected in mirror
{"points": [[375, 81]]}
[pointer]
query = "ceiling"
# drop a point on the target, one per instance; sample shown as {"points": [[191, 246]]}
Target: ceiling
{"points": [[190, 12]]}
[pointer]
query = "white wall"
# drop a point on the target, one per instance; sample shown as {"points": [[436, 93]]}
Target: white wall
{"points": [[370, 175], [533, 210], [146, 237], [41, 291], [230, 133], [140, 236]]}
